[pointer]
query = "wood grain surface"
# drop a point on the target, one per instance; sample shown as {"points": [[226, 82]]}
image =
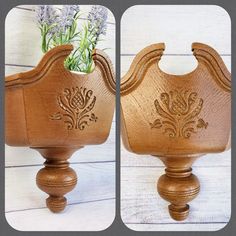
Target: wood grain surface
{"points": [[57, 113], [181, 119], [23, 162], [96, 182], [195, 23]]}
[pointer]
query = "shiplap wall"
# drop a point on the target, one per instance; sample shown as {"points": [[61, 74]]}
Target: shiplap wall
{"points": [[177, 26], [92, 202]]}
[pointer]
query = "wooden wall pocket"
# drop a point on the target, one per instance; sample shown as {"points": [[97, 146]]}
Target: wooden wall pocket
{"points": [[57, 112], [176, 118]]}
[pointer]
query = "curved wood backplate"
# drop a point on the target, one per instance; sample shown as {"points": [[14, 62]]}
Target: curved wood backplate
{"points": [[52, 106], [56, 112], [176, 118], [177, 114]]}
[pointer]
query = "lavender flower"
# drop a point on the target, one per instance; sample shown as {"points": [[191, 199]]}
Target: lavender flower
{"points": [[45, 14], [59, 26], [68, 13], [97, 18]]}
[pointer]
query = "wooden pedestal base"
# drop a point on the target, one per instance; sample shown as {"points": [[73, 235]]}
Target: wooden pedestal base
{"points": [[178, 185], [56, 178]]}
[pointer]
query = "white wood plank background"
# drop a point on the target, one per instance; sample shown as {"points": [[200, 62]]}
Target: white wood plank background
{"points": [[92, 202], [22, 48], [39, 220], [178, 26], [142, 209]]}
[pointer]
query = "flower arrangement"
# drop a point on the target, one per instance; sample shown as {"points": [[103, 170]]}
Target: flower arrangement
{"points": [[60, 26]]}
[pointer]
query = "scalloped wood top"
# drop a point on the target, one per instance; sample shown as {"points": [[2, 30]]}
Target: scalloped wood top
{"points": [[177, 114], [150, 55], [51, 106], [55, 58]]}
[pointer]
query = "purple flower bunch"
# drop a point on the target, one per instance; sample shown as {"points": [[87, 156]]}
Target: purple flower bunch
{"points": [[46, 14], [58, 21], [97, 18], [67, 17], [59, 26]]}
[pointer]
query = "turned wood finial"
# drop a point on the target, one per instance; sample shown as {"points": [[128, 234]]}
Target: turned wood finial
{"points": [[178, 185], [57, 111], [56, 178], [176, 117]]}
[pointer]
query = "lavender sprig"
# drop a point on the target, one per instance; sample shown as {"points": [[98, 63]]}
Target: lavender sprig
{"points": [[59, 26], [45, 14], [97, 22], [68, 14], [46, 17], [81, 59]]}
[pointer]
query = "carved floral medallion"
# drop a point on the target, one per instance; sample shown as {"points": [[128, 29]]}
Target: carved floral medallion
{"points": [[76, 105], [179, 114]]}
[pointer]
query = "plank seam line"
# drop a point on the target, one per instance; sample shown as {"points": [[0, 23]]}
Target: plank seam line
{"points": [[69, 204], [23, 8], [71, 163], [172, 223], [18, 65], [81, 18], [164, 166]]}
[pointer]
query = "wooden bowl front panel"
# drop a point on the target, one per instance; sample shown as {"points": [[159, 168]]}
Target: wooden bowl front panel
{"points": [[168, 114], [53, 106]]}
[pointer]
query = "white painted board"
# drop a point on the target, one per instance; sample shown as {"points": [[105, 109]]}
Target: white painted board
{"points": [[77, 218], [176, 25], [23, 46]]}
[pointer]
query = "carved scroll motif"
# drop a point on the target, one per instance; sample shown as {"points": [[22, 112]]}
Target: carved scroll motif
{"points": [[178, 111], [76, 104]]}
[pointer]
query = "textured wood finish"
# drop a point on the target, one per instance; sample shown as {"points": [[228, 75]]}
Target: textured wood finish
{"points": [[181, 117], [141, 205], [178, 185], [56, 178], [56, 112], [92, 200]]}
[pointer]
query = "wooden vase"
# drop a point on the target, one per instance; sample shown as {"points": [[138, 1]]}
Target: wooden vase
{"points": [[176, 118], [57, 112]]}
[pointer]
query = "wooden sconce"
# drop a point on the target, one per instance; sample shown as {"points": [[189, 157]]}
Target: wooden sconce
{"points": [[57, 112], [176, 118]]}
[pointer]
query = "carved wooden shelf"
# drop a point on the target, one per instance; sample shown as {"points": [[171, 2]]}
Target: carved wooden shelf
{"points": [[57, 112], [176, 118]]}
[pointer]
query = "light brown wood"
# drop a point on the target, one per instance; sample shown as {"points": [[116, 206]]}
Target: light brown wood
{"points": [[56, 178], [176, 118], [56, 112]]}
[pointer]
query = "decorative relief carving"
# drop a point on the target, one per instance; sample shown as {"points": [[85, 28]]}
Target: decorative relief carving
{"points": [[77, 104], [178, 111]]}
